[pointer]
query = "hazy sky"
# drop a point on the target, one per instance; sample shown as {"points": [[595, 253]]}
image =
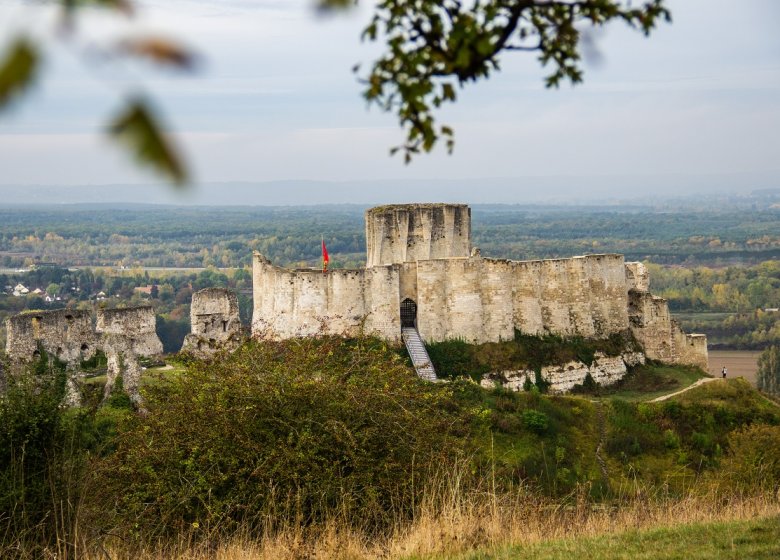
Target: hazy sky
{"points": [[276, 99]]}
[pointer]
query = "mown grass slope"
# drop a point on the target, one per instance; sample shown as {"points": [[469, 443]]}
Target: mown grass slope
{"points": [[735, 540]]}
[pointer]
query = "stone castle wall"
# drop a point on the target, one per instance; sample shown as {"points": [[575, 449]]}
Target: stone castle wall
{"points": [[660, 335], [214, 321], [413, 232], [484, 300], [293, 303], [476, 299], [66, 334]]}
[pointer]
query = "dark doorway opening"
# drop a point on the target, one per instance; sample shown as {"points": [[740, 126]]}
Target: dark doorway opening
{"points": [[408, 313]]}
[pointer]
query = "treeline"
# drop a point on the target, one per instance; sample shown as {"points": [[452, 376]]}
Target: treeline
{"points": [[736, 306], [225, 237]]}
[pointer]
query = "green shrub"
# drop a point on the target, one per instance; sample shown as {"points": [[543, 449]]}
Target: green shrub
{"points": [[45, 452], [535, 421], [299, 428], [753, 461]]}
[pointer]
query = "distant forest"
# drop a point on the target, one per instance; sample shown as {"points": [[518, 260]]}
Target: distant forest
{"points": [[160, 236], [719, 269]]}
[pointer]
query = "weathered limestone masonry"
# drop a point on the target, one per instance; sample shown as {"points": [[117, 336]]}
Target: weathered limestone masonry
{"points": [[215, 323], [485, 300], [417, 232], [660, 335], [297, 303], [68, 335], [421, 271], [126, 334], [65, 334]]}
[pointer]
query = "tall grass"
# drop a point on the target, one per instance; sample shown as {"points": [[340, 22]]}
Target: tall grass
{"points": [[453, 517]]}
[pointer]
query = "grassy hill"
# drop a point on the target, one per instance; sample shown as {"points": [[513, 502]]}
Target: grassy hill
{"points": [[755, 539], [308, 436]]}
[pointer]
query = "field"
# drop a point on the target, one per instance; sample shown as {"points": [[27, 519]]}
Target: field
{"points": [[737, 362]]}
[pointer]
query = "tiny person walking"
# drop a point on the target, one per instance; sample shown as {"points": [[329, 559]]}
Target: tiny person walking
{"points": [[723, 372]]}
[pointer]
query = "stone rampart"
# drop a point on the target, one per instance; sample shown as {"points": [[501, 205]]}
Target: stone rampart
{"points": [[485, 300], [660, 335], [215, 322], [476, 299], [412, 232], [297, 303], [126, 335], [637, 277]]}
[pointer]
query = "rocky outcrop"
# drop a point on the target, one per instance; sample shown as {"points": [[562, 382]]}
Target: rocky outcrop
{"points": [[605, 370]]}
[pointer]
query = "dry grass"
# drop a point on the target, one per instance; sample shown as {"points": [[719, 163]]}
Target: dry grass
{"points": [[453, 521]]}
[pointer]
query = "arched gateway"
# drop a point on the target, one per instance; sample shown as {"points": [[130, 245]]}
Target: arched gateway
{"points": [[408, 313]]}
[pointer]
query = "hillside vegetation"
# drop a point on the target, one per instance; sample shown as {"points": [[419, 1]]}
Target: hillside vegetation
{"points": [[294, 439]]}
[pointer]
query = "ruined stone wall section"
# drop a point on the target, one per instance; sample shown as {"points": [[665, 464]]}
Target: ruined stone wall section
{"points": [[497, 291], [66, 334], [412, 232], [484, 300], [637, 277], [127, 334], [660, 335], [690, 349], [527, 297], [297, 303], [215, 323], [606, 284], [214, 313], [651, 324]]}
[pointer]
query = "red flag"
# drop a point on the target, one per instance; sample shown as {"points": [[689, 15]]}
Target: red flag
{"points": [[324, 257]]}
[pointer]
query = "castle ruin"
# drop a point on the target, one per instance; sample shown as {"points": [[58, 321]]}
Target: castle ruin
{"points": [[214, 322], [123, 334], [423, 277], [127, 334], [423, 281]]}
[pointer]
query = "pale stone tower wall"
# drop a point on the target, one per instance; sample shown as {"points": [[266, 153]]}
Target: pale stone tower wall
{"points": [[412, 232], [214, 322], [293, 303]]}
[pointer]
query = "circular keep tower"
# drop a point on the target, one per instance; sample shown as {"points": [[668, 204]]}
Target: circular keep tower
{"points": [[401, 233]]}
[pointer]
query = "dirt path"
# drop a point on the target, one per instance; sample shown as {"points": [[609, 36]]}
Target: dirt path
{"points": [[701, 381]]}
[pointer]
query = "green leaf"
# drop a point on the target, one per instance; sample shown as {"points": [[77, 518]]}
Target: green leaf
{"points": [[137, 128], [18, 70]]}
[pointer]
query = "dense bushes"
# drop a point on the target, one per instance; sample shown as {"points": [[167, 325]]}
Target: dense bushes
{"points": [[753, 462], [288, 430], [453, 358], [304, 430], [45, 452]]}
